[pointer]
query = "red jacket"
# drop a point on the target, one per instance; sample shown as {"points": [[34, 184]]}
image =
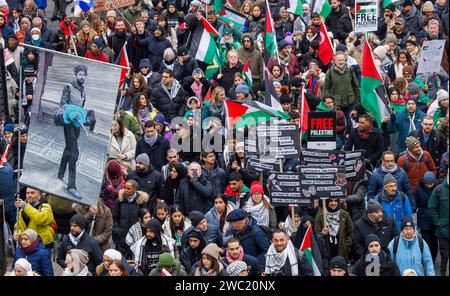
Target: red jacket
{"points": [[102, 57], [416, 170]]}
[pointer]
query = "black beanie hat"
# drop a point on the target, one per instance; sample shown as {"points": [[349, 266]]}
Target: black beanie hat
{"points": [[78, 220], [372, 238], [285, 98], [338, 262], [196, 217]]}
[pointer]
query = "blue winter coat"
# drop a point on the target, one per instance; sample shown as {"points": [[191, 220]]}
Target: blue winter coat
{"points": [[7, 187], [156, 153], [7, 31], [395, 208], [40, 260], [403, 184], [409, 256], [256, 245], [423, 195], [401, 126]]}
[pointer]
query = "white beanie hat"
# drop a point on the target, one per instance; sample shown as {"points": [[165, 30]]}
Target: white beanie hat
{"points": [[25, 265], [441, 94], [113, 254]]}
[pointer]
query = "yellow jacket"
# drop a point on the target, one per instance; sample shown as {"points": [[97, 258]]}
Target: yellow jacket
{"points": [[41, 220]]}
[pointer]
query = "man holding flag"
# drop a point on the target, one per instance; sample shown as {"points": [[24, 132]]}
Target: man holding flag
{"points": [[248, 53]]}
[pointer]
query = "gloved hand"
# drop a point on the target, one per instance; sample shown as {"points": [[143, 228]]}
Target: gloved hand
{"points": [[393, 117]]}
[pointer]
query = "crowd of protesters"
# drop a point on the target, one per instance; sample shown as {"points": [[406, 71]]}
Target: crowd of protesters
{"points": [[165, 211]]}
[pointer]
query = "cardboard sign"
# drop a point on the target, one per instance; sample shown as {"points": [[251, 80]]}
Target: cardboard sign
{"points": [[321, 130], [352, 160], [102, 5], [431, 56], [323, 181], [278, 141], [366, 15], [256, 164], [285, 189]]}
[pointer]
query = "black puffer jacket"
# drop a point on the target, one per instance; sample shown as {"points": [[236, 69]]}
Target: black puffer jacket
{"points": [[344, 27], [385, 230], [150, 182], [355, 201], [195, 195], [125, 214], [387, 267], [156, 47], [173, 106], [181, 72], [227, 79]]}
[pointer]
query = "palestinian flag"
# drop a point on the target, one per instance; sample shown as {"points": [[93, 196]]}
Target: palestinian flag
{"points": [[313, 84], [245, 113], [322, 7], [247, 74], [294, 6], [387, 2], [326, 52], [365, 8], [218, 7], [310, 249], [304, 111], [270, 46], [123, 61], [370, 81], [271, 96], [203, 47]]}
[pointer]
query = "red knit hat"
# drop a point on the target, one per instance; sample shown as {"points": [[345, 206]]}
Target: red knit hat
{"points": [[256, 187]]}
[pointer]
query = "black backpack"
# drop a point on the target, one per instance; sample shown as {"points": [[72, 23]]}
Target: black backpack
{"points": [[397, 239]]}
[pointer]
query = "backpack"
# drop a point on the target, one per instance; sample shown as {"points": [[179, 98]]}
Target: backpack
{"points": [[397, 239], [427, 161], [267, 232]]}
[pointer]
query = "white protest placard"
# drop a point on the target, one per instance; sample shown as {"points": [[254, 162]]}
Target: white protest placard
{"points": [[431, 56], [366, 15]]}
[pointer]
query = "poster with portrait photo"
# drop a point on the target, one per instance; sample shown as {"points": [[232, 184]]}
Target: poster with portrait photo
{"points": [[69, 135]]}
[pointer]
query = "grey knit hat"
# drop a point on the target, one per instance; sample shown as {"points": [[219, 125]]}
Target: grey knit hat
{"points": [[413, 88], [143, 158], [441, 94], [411, 142], [235, 268], [388, 179], [390, 37], [373, 206]]}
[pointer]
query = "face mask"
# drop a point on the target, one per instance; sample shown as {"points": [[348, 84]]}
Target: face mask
{"points": [[35, 37]]}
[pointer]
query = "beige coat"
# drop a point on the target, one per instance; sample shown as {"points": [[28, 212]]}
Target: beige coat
{"points": [[128, 147]]}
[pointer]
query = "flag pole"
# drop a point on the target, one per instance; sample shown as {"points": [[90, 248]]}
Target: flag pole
{"points": [[302, 96]]}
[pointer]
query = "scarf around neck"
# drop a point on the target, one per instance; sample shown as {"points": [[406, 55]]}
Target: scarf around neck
{"points": [[324, 108], [75, 239], [151, 141], [389, 171], [240, 258], [259, 212], [333, 225], [31, 248], [275, 261]]}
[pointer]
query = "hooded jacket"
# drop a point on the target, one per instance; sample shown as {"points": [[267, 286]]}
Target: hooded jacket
{"points": [[423, 195], [343, 86], [254, 56], [386, 230], [409, 256], [401, 126], [395, 207], [376, 182], [188, 256], [387, 265], [417, 169], [41, 219]]}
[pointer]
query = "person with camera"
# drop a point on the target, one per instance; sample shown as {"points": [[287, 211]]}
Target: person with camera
{"points": [[195, 192], [283, 259]]}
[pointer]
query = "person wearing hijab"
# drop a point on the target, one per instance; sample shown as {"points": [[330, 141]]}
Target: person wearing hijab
{"points": [[23, 268], [377, 256], [336, 230], [76, 261], [32, 248], [171, 184]]}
